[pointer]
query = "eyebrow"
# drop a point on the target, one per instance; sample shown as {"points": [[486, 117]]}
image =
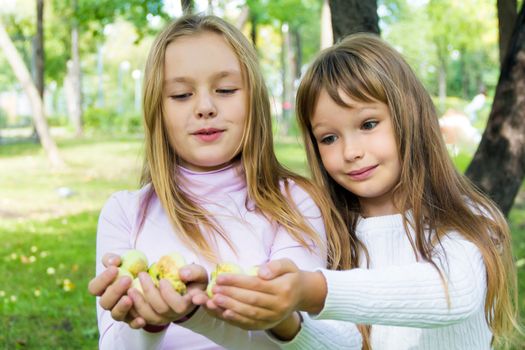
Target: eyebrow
{"points": [[219, 75]]}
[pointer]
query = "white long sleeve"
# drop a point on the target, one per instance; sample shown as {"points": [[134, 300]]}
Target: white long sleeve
{"points": [[402, 298], [323, 335], [405, 300]]}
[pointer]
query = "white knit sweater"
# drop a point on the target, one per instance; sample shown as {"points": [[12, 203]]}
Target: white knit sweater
{"points": [[402, 298]]}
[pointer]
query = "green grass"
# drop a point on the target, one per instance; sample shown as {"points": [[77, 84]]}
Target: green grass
{"points": [[48, 265], [48, 252]]}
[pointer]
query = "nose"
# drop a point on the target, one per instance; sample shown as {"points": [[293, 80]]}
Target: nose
{"points": [[205, 107], [353, 150]]}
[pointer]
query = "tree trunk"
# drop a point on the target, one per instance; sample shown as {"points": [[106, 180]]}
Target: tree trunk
{"points": [[507, 13], [298, 55], [327, 36], [285, 101], [243, 17], [24, 78], [75, 74], [39, 48], [499, 163], [38, 56], [442, 83], [353, 16], [253, 30], [187, 6]]}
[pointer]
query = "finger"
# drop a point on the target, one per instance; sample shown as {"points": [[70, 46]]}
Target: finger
{"points": [[248, 311], [193, 273], [240, 281], [210, 305], [110, 259], [143, 308], [137, 323], [98, 285], [199, 298], [249, 297], [240, 321], [152, 295], [114, 292], [122, 308], [178, 303], [276, 268]]}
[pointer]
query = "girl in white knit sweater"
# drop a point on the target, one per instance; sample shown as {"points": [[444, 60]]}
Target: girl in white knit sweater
{"points": [[434, 267]]}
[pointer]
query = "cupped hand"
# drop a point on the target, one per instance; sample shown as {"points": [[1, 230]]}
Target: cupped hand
{"points": [[259, 302], [113, 293], [162, 305]]}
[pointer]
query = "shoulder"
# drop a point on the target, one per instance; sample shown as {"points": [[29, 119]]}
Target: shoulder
{"points": [[301, 194], [125, 203], [298, 192]]}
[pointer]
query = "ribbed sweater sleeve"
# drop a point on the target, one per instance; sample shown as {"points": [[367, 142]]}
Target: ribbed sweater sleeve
{"points": [[323, 334], [411, 295]]}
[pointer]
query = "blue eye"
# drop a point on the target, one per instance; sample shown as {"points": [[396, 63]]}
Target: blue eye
{"points": [[328, 140], [369, 125]]}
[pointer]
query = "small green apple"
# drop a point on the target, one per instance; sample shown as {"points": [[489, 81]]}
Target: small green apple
{"points": [[153, 271], [168, 268], [137, 285], [134, 261], [253, 271], [123, 273], [220, 269]]}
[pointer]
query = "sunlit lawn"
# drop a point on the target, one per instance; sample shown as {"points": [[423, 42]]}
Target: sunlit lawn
{"points": [[48, 250]]}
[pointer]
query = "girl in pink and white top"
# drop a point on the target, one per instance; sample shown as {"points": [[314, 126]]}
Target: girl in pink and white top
{"points": [[212, 191]]}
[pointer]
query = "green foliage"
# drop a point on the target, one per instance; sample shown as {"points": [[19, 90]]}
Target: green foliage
{"points": [[105, 120], [459, 37]]}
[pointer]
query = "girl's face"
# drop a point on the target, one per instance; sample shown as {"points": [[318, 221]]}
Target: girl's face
{"points": [[205, 101], [358, 149]]}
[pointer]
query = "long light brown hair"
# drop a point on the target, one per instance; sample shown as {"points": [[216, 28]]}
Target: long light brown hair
{"points": [[367, 69], [262, 170]]}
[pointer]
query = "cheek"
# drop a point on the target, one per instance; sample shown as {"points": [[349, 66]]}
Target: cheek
{"points": [[329, 159]]}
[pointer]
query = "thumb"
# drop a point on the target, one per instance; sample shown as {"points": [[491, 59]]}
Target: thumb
{"points": [[193, 273], [276, 268], [110, 259]]}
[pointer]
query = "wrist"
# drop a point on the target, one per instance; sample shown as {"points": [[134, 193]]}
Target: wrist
{"points": [[313, 294], [288, 328], [187, 316], [151, 328]]}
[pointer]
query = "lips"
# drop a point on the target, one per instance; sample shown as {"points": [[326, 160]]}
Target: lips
{"points": [[207, 131], [363, 173], [208, 135]]}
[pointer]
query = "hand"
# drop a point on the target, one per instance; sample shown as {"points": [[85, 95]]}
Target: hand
{"points": [[113, 295], [160, 306], [260, 302]]}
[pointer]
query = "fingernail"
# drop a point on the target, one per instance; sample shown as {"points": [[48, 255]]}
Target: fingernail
{"points": [[124, 282], [219, 300], [111, 261], [264, 271], [185, 273]]}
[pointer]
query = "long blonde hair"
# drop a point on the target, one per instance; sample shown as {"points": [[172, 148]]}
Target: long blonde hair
{"points": [[262, 170], [367, 69]]}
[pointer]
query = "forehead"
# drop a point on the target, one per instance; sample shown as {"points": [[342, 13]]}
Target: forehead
{"points": [[199, 55]]}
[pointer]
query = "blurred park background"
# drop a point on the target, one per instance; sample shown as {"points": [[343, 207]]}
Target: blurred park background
{"points": [[71, 129]]}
